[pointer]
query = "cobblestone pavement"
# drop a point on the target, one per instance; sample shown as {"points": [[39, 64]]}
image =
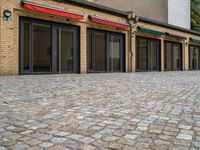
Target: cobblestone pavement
{"points": [[158, 110]]}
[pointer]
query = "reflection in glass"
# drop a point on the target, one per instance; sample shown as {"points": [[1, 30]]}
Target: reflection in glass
{"points": [[42, 51], [194, 58], [176, 58], [173, 60], [114, 54], [99, 52], [147, 54]]}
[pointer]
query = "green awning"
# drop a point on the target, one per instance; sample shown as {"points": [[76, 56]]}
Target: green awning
{"points": [[195, 41], [149, 31]]}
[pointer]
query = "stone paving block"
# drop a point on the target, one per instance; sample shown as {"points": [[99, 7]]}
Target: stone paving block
{"points": [[87, 147], [130, 136], [186, 127], [57, 140], [20, 146], [45, 144], [184, 137]]}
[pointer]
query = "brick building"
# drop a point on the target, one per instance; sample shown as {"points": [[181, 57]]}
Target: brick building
{"points": [[58, 36]]}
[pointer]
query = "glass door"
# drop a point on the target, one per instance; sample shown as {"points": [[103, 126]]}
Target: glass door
{"points": [[194, 52], [105, 51], [173, 56], [147, 54], [66, 50], [114, 53], [41, 48], [35, 47], [47, 47]]}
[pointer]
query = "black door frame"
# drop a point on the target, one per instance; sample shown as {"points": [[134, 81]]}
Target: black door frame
{"points": [[172, 55], [148, 54], [90, 47], [54, 26]]}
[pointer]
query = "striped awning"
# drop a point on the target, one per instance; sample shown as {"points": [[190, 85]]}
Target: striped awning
{"points": [[108, 22], [51, 10], [194, 41], [149, 31], [175, 36]]}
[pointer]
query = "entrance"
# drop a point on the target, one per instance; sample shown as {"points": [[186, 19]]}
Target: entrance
{"points": [[194, 57], [148, 54], [173, 56], [47, 47], [106, 52]]}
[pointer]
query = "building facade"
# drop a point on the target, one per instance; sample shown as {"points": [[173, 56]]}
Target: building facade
{"points": [[175, 12], [55, 36]]}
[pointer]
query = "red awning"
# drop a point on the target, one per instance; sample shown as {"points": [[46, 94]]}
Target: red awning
{"points": [[108, 22], [51, 10]]}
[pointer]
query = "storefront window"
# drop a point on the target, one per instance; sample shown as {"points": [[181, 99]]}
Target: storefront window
{"points": [[148, 54], [42, 49], [173, 56], [194, 57], [48, 47], [106, 52]]}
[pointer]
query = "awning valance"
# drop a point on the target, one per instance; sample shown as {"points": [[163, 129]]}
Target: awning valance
{"points": [[108, 22], [149, 31], [194, 41], [175, 36], [51, 10]]}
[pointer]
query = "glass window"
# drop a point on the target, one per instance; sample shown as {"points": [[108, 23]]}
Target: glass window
{"points": [[194, 57], [99, 52], [105, 51], [173, 56], [26, 46], [42, 50], [114, 54], [65, 51], [148, 54], [153, 55]]}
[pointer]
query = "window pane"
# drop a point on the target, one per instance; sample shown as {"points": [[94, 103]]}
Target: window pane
{"points": [[99, 52], [153, 57], [195, 58], [143, 55], [114, 54], [67, 50], [26, 46], [168, 56], [176, 57], [191, 57], [42, 50]]}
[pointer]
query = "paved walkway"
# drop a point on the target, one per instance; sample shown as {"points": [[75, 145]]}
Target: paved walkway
{"points": [[101, 111]]}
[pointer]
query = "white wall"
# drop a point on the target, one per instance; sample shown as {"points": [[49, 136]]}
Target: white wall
{"points": [[179, 13]]}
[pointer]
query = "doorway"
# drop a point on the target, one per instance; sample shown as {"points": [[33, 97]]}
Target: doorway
{"points": [[148, 54], [173, 56], [106, 51], [47, 47], [194, 57]]}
